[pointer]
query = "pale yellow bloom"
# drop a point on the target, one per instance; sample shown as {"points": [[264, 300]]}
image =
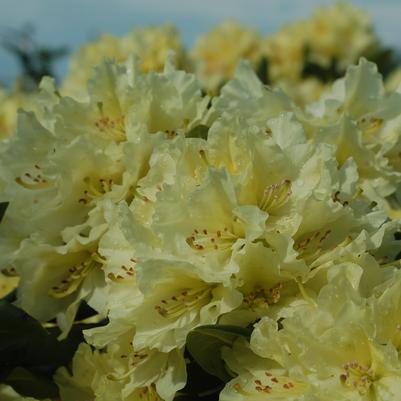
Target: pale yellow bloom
{"points": [[150, 44], [303, 92], [76, 161], [259, 378], [362, 120], [393, 81], [285, 52], [10, 103], [121, 372], [342, 32], [333, 345], [166, 210], [318, 40], [216, 54]]}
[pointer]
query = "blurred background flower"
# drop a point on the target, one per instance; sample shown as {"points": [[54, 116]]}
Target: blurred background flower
{"points": [[71, 23]]}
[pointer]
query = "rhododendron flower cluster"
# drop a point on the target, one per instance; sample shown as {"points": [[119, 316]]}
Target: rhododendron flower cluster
{"points": [[231, 237]]}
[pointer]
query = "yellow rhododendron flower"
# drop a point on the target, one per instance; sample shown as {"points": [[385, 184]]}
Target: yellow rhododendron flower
{"points": [[258, 378], [333, 345], [331, 27], [393, 81], [285, 52], [216, 54], [361, 119], [318, 40], [167, 201], [8, 114], [150, 44], [88, 156], [122, 372], [10, 102]]}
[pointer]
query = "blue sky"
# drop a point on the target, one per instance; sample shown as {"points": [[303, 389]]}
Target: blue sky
{"points": [[72, 22]]}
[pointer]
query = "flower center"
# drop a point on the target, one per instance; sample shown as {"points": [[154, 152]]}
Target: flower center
{"points": [[371, 125], [95, 189], [203, 240], [275, 196], [357, 376], [186, 301], [125, 272], [310, 248], [149, 394], [272, 385], [262, 297], [33, 179], [112, 127], [75, 276], [133, 360]]}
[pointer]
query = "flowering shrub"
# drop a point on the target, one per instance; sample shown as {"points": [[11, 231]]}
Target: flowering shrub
{"points": [[174, 242]]}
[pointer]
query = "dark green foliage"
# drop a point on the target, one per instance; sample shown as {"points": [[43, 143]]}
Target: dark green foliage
{"points": [[3, 208], [30, 354], [204, 344], [200, 386], [200, 131], [28, 384], [262, 70]]}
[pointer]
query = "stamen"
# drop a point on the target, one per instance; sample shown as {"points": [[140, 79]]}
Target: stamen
{"points": [[187, 300], [275, 196], [95, 189], [202, 239], [9, 272], [170, 133], [33, 181], [75, 276], [149, 394], [203, 156], [126, 273], [134, 359], [269, 384], [357, 376], [371, 125], [337, 199], [115, 128], [262, 298], [310, 248]]}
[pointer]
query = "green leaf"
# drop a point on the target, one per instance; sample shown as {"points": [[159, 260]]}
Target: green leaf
{"points": [[205, 342], [24, 342], [16, 327], [324, 74], [28, 384], [262, 70], [3, 208], [30, 354], [183, 397], [200, 131], [200, 385], [327, 73], [385, 61]]}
